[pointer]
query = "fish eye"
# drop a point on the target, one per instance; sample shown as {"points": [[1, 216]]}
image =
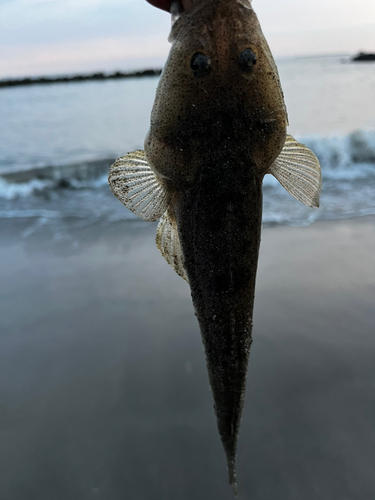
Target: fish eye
{"points": [[247, 60], [200, 64]]}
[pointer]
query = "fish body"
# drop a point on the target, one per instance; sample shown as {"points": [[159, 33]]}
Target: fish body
{"points": [[219, 87], [219, 226], [218, 125]]}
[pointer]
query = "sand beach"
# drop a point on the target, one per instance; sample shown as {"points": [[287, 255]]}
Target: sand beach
{"points": [[104, 391]]}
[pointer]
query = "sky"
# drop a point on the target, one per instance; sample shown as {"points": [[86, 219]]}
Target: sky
{"points": [[50, 37]]}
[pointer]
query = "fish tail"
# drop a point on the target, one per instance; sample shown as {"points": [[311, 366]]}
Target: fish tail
{"points": [[232, 472], [220, 254], [228, 389]]}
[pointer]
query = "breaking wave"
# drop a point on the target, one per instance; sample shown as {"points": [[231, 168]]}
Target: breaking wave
{"points": [[344, 157], [81, 189], [34, 181]]}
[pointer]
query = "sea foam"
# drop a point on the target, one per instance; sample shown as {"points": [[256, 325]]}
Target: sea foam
{"points": [[81, 190]]}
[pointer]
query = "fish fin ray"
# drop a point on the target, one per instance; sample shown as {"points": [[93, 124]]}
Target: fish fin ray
{"points": [[136, 185], [168, 243], [298, 171]]}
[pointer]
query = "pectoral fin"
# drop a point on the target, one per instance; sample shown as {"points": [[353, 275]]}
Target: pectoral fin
{"points": [[168, 243], [298, 171], [136, 185]]}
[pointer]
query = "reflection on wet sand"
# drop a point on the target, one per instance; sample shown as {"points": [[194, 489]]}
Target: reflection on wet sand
{"points": [[104, 392]]}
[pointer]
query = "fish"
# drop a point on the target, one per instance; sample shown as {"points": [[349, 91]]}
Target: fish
{"points": [[218, 126]]}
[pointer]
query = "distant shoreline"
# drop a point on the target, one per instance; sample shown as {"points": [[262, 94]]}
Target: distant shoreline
{"points": [[17, 82]]}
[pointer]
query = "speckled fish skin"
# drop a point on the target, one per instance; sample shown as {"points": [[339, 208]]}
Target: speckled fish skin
{"points": [[213, 138], [219, 225], [192, 115], [218, 125]]}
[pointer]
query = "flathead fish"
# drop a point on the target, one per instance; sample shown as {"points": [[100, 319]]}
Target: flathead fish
{"points": [[218, 126]]}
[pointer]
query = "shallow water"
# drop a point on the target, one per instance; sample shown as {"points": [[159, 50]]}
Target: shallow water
{"points": [[57, 142], [104, 391]]}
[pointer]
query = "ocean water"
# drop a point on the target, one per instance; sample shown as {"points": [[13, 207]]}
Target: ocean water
{"points": [[57, 143], [104, 391]]}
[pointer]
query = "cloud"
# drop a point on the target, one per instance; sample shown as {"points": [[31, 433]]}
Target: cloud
{"points": [[329, 41], [84, 55], [289, 16], [49, 20], [59, 36]]}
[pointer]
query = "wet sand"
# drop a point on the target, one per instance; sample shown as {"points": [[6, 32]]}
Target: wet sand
{"points": [[103, 386]]}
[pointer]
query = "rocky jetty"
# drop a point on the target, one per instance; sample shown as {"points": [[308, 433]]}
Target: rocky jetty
{"points": [[364, 57], [16, 82]]}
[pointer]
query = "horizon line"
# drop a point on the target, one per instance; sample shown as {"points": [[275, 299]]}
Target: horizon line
{"points": [[118, 74]]}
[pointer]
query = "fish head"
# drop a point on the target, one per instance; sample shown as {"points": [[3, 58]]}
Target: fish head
{"points": [[219, 90]]}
